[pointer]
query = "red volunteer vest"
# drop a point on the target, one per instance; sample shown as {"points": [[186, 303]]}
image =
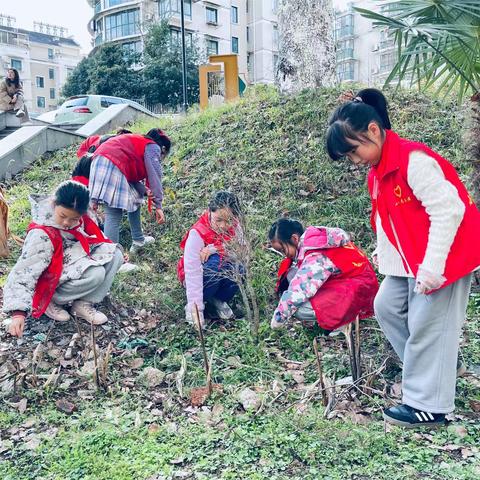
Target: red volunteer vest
{"points": [[86, 144], [394, 201], [209, 237], [343, 296], [126, 153], [48, 281]]}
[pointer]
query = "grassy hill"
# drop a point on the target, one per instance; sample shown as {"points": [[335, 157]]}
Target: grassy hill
{"points": [[269, 150]]}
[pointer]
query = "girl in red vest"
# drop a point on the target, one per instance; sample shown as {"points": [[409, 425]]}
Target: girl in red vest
{"points": [[119, 168], [324, 278], [65, 260], [90, 144], [425, 222], [204, 268]]}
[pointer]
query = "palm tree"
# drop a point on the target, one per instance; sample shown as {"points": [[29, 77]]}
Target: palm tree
{"points": [[438, 44]]}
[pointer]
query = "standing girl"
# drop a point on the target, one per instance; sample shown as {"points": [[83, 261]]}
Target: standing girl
{"points": [[118, 169], [65, 259], [205, 269], [325, 278], [425, 222]]}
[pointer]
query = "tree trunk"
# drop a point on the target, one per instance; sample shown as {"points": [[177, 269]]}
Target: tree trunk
{"points": [[307, 46]]}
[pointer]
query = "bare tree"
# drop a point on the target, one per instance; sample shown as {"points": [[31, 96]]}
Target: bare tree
{"points": [[306, 45]]}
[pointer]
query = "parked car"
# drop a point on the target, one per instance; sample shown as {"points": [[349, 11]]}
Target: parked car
{"points": [[80, 109]]}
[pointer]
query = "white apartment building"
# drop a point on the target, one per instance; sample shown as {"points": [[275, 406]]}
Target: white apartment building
{"points": [[364, 54], [44, 57], [245, 27]]}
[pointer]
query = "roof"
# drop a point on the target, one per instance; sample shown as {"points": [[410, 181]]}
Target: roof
{"points": [[44, 38]]}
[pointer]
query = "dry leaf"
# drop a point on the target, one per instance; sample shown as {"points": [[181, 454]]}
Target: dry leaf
{"points": [[65, 406], [22, 405], [136, 363]]}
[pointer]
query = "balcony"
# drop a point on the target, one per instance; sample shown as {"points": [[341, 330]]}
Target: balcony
{"points": [[344, 54], [8, 37], [344, 31]]}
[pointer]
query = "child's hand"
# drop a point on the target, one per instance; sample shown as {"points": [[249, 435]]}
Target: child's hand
{"points": [[126, 258], [205, 253], [275, 324], [16, 326], [427, 281], [159, 216]]}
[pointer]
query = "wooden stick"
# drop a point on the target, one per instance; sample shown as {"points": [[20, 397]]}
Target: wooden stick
{"points": [[202, 340], [357, 347], [95, 359], [320, 372]]}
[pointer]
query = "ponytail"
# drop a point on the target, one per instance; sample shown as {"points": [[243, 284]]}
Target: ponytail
{"points": [[350, 121]]}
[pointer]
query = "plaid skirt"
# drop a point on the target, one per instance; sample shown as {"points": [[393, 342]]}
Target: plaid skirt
{"points": [[109, 186]]}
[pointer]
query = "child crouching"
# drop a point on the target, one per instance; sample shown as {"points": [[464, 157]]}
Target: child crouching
{"points": [[65, 258], [324, 277], [205, 269]]}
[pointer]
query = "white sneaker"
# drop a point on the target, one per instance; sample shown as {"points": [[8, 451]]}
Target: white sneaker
{"points": [[128, 267], [137, 246], [223, 309], [20, 113], [57, 313], [88, 312]]}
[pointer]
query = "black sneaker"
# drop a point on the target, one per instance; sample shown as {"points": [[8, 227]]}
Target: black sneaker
{"points": [[409, 417]]}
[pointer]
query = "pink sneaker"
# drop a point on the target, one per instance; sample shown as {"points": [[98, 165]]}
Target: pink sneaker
{"points": [[88, 312]]}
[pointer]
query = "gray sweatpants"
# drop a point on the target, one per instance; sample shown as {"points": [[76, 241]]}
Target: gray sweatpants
{"points": [[113, 219], [93, 285], [424, 330]]}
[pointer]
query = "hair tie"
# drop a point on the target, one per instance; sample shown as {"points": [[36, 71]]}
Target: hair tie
{"points": [[358, 100]]}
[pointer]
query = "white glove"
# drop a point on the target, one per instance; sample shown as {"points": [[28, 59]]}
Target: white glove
{"points": [[190, 317], [427, 281]]}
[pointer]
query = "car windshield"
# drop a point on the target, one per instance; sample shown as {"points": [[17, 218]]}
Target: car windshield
{"points": [[75, 102]]}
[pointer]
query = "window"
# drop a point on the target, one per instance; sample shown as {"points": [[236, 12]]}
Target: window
{"points": [[176, 37], [234, 14], [17, 64], [40, 82], [169, 8], [98, 5], [69, 71], [345, 71], [388, 61], [275, 37], [212, 47], [133, 47], [275, 63], [344, 25], [105, 102], [122, 24], [345, 49], [51, 74], [41, 102], [212, 15], [234, 44], [113, 3], [274, 6], [50, 53], [52, 94]]}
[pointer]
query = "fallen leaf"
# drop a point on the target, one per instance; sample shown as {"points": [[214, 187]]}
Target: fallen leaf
{"points": [[152, 377], [22, 405], [249, 399], [33, 443], [153, 428], [459, 430], [65, 406], [475, 405], [136, 363]]}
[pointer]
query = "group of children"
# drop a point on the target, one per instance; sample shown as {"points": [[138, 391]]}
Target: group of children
{"points": [[422, 214]]}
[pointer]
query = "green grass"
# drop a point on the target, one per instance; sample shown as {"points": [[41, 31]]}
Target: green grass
{"points": [[268, 149]]}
